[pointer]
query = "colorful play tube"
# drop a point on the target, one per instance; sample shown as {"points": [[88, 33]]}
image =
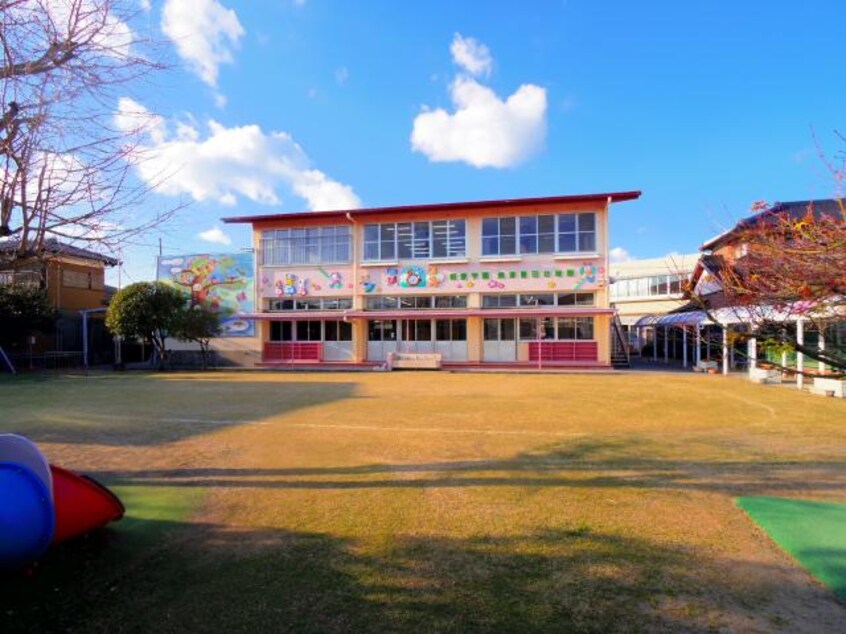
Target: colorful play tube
{"points": [[42, 504], [82, 504]]}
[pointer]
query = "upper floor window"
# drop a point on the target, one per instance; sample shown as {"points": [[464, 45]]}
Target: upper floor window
{"points": [[310, 245], [535, 300], [412, 302], [648, 286], [562, 233], [311, 303], [415, 240]]}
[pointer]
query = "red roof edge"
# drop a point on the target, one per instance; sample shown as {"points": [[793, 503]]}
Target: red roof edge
{"points": [[614, 197]]}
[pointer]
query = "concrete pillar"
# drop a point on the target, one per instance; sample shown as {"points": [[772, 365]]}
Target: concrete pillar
{"points": [[800, 358], [725, 350], [666, 344], [821, 346], [684, 346], [752, 352], [698, 354]]}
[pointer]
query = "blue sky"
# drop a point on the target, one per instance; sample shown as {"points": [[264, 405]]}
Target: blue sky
{"points": [[288, 105]]}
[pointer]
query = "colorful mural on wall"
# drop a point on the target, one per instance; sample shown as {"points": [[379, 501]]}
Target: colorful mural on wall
{"points": [[420, 277], [223, 282]]}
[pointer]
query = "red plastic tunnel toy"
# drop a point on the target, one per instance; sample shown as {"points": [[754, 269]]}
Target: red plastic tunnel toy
{"points": [[42, 504]]}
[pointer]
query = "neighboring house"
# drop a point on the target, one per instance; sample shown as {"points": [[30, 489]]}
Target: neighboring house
{"points": [[728, 248], [507, 282], [74, 279], [702, 338], [655, 286]]}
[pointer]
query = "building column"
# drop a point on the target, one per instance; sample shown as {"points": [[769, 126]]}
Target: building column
{"points": [[752, 352], [725, 350], [684, 346], [821, 346], [666, 345], [698, 354], [800, 358]]}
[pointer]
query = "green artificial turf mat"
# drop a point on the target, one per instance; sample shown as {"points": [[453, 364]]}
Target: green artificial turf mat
{"points": [[814, 533]]}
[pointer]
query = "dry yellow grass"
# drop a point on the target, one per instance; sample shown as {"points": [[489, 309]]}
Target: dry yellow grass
{"points": [[445, 502]]}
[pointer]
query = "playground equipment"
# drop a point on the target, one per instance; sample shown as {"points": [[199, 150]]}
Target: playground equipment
{"points": [[42, 504]]}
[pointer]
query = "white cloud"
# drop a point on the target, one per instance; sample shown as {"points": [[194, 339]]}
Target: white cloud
{"points": [[619, 254], [484, 130], [133, 119], [204, 32], [145, 4], [227, 164], [471, 55], [215, 235], [91, 21], [342, 75]]}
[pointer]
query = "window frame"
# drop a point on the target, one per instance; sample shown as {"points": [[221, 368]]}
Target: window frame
{"points": [[532, 234], [414, 240], [303, 246]]}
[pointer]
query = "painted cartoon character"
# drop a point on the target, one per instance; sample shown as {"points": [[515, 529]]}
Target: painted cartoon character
{"points": [[290, 287], [392, 276], [280, 289], [367, 284], [336, 280], [587, 275], [412, 277], [433, 278], [302, 287]]}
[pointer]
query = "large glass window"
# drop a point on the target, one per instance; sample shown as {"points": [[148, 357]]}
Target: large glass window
{"points": [[575, 328], [416, 330], [382, 330], [338, 331], [415, 302], [308, 330], [532, 301], [499, 301], [571, 233], [649, 286], [281, 331], [311, 303], [577, 232], [451, 330], [499, 236], [415, 240], [311, 330], [529, 328], [309, 245], [450, 301], [498, 329], [576, 299]]}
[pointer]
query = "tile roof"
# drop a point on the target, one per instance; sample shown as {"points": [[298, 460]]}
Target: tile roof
{"points": [[54, 247]]}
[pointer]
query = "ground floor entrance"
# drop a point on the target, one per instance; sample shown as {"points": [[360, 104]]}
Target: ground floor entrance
{"points": [[447, 337], [486, 337]]}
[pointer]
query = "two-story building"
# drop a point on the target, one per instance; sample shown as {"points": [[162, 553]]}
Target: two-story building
{"points": [[505, 283], [74, 281]]}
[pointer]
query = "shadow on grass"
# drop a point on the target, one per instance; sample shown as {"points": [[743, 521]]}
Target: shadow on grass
{"points": [[611, 463], [150, 410], [178, 577]]}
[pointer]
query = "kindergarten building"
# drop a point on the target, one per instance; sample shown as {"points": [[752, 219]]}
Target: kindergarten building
{"points": [[505, 283]]}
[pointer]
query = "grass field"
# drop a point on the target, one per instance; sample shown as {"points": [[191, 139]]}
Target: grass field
{"points": [[428, 502]]}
